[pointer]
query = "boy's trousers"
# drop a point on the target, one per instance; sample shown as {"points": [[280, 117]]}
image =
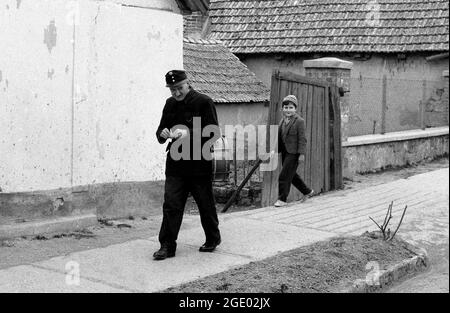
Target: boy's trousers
{"points": [[289, 176]]}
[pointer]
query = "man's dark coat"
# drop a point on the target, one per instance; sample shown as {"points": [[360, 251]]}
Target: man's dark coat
{"points": [[182, 112]]}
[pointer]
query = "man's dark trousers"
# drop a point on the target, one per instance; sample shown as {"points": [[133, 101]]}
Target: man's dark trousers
{"points": [[289, 175], [176, 192]]}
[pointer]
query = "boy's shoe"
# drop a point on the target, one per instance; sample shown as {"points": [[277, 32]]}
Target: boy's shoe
{"points": [[309, 195], [280, 203]]}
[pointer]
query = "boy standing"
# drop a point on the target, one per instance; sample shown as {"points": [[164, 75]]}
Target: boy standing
{"points": [[292, 145]]}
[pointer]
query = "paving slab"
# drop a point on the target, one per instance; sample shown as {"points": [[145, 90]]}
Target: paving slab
{"points": [[130, 266], [256, 239], [32, 279]]}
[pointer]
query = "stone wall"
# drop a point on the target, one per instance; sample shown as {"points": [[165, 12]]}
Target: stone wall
{"points": [[378, 156]]}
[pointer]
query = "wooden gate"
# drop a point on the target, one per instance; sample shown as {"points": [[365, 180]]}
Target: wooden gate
{"points": [[319, 106]]}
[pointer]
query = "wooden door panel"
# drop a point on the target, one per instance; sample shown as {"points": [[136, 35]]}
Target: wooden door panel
{"points": [[318, 105]]}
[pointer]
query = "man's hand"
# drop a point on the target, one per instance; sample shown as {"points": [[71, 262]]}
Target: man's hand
{"points": [[179, 133], [301, 158], [165, 133]]}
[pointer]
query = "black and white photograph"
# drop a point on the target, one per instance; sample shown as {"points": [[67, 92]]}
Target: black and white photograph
{"points": [[224, 154]]}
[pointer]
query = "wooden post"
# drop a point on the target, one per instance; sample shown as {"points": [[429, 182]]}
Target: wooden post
{"points": [[338, 73], [383, 105], [244, 165], [270, 177], [234, 157], [422, 104], [326, 130]]}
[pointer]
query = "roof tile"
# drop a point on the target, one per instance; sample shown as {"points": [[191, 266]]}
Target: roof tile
{"points": [[217, 72], [262, 26]]}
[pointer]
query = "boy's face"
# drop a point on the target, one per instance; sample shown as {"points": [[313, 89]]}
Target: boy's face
{"points": [[289, 109]]}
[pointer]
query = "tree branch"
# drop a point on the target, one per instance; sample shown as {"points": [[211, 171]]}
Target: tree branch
{"points": [[382, 231], [388, 216], [401, 220]]}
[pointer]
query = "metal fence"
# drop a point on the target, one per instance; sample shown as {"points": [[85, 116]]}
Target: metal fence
{"points": [[385, 105], [238, 164], [239, 169]]}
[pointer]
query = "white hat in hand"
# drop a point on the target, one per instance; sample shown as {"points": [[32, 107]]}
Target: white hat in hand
{"points": [[179, 133]]}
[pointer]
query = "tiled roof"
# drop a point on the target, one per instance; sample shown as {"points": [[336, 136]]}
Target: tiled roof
{"points": [[331, 25], [215, 71]]}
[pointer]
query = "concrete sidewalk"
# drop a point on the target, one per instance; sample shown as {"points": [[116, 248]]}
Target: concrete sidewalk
{"points": [[246, 236]]}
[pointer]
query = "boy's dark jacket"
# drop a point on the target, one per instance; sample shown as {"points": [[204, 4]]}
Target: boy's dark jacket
{"points": [[293, 139]]}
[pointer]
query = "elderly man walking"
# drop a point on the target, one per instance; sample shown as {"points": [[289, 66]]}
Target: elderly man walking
{"points": [[187, 175]]}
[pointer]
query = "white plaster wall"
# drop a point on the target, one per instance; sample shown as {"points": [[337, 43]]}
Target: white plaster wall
{"points": [[121, 63], [169, 5], [35, 97], [121, 56]]}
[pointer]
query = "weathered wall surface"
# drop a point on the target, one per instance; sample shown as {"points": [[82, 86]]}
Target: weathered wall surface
{"points": [[414, 67], [120, 91], [82, 91], [375, 157], [35, 95], [242, 115], [436, 106], [405, 88]]}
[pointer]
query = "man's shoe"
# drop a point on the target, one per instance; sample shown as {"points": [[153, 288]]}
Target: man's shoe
{"points": [[163, 253], [280, 203], [209, 247]]}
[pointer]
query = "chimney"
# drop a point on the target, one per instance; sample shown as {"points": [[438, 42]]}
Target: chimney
{"points": [[195, 24]]}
